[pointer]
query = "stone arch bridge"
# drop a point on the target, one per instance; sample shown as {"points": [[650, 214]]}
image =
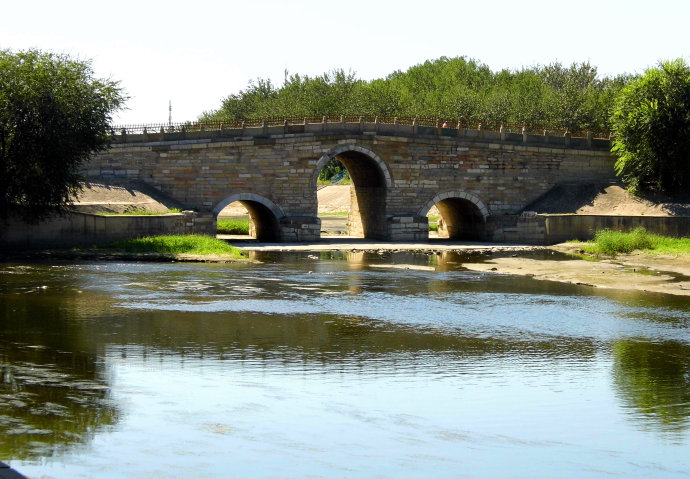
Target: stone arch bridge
{"points": [[480, 180]]}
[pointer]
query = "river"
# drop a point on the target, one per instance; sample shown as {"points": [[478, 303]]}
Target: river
{"points": [[357, 365]]}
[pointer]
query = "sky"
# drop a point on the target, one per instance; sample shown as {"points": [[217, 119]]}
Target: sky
{"points": [[195, 54]]}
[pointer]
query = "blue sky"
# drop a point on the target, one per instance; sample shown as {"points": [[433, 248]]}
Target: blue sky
{"points": [[197, 53]]}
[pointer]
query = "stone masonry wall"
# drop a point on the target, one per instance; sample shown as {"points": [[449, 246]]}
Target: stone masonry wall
{"points": [[205, 173]]}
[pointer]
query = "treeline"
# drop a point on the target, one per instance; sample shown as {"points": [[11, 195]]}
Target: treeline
{"points": [[571, 97]]}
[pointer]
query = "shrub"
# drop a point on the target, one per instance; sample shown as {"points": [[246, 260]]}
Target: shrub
{"points": [[613, 242]]}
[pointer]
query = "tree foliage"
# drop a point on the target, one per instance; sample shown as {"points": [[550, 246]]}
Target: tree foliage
{"points": [[654, 378], [53, 116], [462, 89], [333, 169], [651, 127]]}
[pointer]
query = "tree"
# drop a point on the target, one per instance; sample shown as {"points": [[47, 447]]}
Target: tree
{"points": [[651, 128], [447, 88], [54, 115]]}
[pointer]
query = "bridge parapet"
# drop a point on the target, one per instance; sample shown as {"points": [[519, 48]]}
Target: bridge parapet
{"points": [[507, 134]]}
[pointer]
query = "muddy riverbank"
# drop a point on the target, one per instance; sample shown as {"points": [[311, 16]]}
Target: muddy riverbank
{"points": [[639, 271], [564, 262]]}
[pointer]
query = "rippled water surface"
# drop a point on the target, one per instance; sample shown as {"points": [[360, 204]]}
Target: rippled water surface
{"points": [[336, 365]]}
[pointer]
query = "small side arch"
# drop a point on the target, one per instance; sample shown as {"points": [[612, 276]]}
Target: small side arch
{"points": [[353, 150], [264, 215], [465, 195], [241, 197], [463, 215]]}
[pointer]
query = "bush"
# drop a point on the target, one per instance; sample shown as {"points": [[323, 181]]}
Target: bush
{"points": [[613, 242]]}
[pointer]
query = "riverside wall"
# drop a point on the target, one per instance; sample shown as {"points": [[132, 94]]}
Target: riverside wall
{"points": [[84, 229], [559, 228]]}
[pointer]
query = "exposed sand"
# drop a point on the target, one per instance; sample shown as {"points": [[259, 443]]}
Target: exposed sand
{"points": [[111, 197], [334, 198], [607, 199], [638, 271]]}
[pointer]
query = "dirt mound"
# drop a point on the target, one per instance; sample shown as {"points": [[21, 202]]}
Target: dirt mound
{"points": [[107, 197], [606, 199]]}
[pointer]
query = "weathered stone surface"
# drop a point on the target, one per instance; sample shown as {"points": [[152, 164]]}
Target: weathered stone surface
{"points": [[398, 176]]}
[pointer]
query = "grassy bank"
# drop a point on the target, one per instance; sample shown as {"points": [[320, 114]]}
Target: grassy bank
{"points": [[233, 226], [176, 245], [614, 242]]}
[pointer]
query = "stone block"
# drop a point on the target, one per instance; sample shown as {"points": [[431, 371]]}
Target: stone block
{"points": [[198, 171]]}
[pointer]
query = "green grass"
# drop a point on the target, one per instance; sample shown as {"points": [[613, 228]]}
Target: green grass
{"points": [[176, 244], [143, 212], [233, 226], [333, 213], [614, 242], [665, 244]]}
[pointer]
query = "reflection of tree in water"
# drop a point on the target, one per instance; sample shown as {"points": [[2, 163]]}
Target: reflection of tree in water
{"points": [[654, 379], [46, 404], [53, 389]]}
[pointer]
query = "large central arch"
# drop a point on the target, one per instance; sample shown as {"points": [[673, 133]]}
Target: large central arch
{"points": [[371, 181], [264, 215], [463, 213]]}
